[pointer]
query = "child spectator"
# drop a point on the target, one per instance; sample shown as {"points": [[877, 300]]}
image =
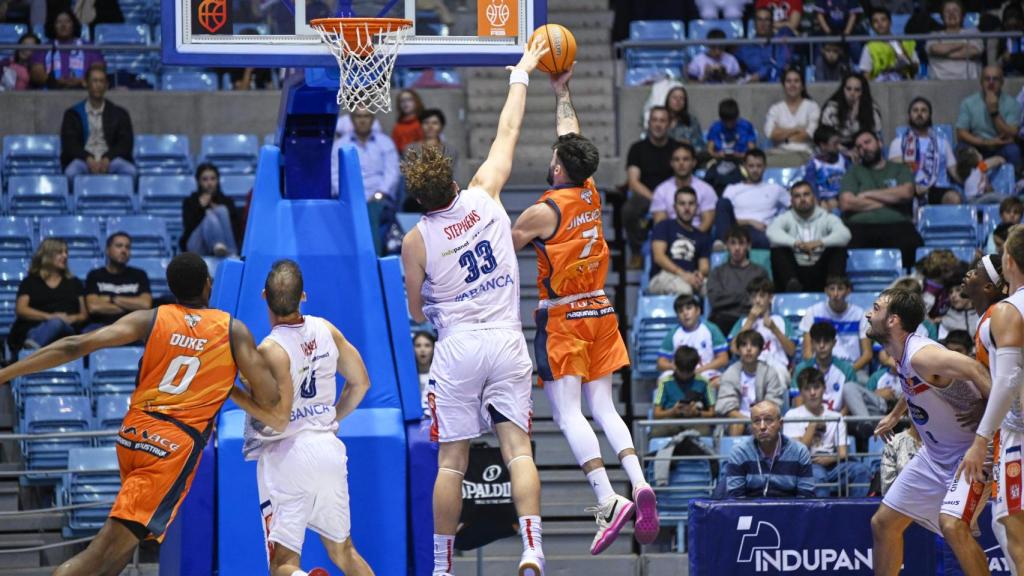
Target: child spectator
{"points": [[774, 329], [826, 169], [14, 71], [423, 347], [888, 60], [728, 140], [702, 336], [837, 373], [748, 382], [1010, 211], [832, 63], [852, 343], [680, 393], [714, 65], [975, 172], [727, 284]]}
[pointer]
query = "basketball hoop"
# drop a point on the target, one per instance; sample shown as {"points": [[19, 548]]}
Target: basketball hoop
{"points": [[365, 49]]}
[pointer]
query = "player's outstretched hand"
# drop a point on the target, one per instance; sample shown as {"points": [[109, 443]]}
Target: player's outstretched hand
{"points": [[972, 465], [560, 82], [532, 55], [886, 425]]}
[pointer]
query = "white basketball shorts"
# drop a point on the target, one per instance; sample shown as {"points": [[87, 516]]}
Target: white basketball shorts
{"points": [[1008, 474], [474, 370], [925, 489], [303, 482]]}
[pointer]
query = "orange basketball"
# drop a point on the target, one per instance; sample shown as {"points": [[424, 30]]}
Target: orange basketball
{"points": [[562, 48]]}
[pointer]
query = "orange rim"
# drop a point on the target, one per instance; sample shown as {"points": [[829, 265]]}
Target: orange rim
{"points": [[349, 25]]}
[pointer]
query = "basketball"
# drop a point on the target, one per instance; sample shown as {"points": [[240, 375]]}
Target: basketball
{"points": [[562, 51]]}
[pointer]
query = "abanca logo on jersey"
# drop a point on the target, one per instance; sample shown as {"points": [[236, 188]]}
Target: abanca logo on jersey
{"points": [[492, 283]]}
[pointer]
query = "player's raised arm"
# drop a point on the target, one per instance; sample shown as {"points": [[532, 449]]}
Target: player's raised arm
{"points": [[264, 388], [955, 366], [494, 172], [351, 366], [130, 328], [566, 121], [414, 263]]}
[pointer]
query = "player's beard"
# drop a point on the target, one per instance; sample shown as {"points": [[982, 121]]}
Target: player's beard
{"points": [[551, 176]]}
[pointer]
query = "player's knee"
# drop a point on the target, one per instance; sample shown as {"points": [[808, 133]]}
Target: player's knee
{"points": [[953, 528], [343, 554], [881, 524]]}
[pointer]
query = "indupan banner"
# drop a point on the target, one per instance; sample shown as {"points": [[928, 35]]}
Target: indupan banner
{"points": [[746, 537]]}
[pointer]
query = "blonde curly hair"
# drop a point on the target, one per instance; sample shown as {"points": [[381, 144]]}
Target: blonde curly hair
{"points": [[428, 177]]}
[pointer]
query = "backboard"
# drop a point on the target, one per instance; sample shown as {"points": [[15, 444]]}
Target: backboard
{"points": [[276, 33]]}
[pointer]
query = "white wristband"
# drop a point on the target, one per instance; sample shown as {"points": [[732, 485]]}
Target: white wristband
{"points": [[518, 77]]}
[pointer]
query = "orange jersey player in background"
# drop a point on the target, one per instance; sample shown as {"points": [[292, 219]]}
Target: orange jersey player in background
{"points": [[188, 369], [578, 344]]}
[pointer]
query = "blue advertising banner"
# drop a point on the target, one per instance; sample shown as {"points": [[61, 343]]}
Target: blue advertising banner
{"points": [[745, 537]]}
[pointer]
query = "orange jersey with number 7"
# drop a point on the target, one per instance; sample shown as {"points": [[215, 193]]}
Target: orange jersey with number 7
{"points": [[574, 260]]}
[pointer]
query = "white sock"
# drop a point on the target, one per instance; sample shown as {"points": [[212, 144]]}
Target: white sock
{"points": [[300, 573], [602, 486], [530, 530], [636, 474], [443, 547]]}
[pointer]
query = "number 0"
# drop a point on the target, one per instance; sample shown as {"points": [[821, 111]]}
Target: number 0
{"points": [[167, 384], [590, 233]]}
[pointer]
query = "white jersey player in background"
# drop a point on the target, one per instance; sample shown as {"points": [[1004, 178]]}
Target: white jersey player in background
{"points": [[944, 392], [461, 273], [1004, 412], [302, 472]]}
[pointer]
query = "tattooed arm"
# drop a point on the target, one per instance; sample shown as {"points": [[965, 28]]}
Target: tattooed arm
{"points": [[565, 114]]}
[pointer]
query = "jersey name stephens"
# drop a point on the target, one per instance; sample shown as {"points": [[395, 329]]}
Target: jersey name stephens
{"points": [[188, 342], [585, 218], [459, 228]]}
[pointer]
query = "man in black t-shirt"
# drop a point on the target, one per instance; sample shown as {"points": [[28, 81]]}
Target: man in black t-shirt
{"points": [[648, 163], [116, 289]]}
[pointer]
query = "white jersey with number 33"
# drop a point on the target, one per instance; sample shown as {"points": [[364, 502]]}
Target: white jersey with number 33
{"points": [[472, 274], [314, 362]]}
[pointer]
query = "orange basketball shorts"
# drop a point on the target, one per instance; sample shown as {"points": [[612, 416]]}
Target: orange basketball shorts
{"points": [[158, 456], [581, 338]]}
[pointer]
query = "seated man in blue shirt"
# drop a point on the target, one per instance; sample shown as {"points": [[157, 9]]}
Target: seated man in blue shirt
{"points": [[764, 62], [768, 464]]}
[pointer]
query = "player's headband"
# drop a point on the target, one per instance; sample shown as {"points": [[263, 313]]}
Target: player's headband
{"points": [[990, 268]]}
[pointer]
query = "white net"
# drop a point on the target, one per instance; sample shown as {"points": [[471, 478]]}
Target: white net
{"points": [[366, 52]]}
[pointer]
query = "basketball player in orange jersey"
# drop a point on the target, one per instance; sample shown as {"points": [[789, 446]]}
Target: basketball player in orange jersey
{"points": [[187, 371], [578, 344]]}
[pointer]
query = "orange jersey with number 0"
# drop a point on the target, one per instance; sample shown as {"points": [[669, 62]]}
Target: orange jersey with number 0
{"points": [[574, 260]]}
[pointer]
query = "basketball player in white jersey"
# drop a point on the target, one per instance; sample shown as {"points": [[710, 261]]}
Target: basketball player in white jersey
{"points": [[461, 273], [942, 390], [302, 471], [1004, 412]]}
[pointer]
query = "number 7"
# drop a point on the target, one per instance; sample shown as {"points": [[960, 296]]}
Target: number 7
{"points": [[590, 233]]}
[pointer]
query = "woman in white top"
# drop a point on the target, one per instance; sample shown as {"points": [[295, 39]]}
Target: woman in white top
{"points": [[791, 122]]}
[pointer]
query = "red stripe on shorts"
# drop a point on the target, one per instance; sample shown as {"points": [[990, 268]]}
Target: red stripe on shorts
{"points": [[435, 434]]}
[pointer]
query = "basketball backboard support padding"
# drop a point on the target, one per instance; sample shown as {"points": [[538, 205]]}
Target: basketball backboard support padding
{"points": [[280, 36]]}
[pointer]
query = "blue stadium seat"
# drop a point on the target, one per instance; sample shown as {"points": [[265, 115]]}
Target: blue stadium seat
{"points": [[237, 187], [148, 233], [31, 154], [156, 269], [783, 176], [899, 23], [80, 267], [793, 305], [988, 219], [53, 413], [1002, 180], [82, 233], [760, 256], [962, 253], [95, 478], [162, 154], [104, 195], [872, 270], [12, 272], [17, 238], [670, 58], [67, 379], [655, 316], [698, 29], [38, 195], [113, 371], [110, 411], [10, 34], [948, 225], [727, 442], [125, 33], [231, 153], [163, 195], [189, 81], [140, 12], [866, 300], [648, 75]]}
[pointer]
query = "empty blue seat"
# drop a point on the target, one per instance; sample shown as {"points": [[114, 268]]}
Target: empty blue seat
{"points": [[865, 300], [793, 305], [671, 58], [948, 225], [655, 317], [80, 267], [698, 29], [31, 154], [962, 253], [190, 81], [47, 414], [113, 371], [82, 234], [162, 154], [123, 33], [148, 233], [110, 411], [231, 153], [104, 194], [1002, 180], [17, 238], [92, 483], [67, 379], [237, 187], [156, 270], [657, 30], [872, 270], [38, 195], [648, 75], [12, 272], [163, 195]]}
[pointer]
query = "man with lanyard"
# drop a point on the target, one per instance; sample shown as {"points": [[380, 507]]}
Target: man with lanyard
{"points": [[926, 151]]}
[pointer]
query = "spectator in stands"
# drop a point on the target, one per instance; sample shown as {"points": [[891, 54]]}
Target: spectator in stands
{"points": [[432, 121], [786, 14], [648, 163], [976, 174], [407, 127], [792, 121], [768, 464], [752, 204], [729, 138], [808, 243], [836, 17], [832, 63], [950, 58], [96, 135], [113, 290], [208, 217], [877, 201], [888, 60], [96, 12], [730, 9], [680, 252], [748, 382], [838, 374], [852, 343], [850, 110], [702, 336], [989, 119], [378, 157], [727, 283], [764, 62], [826, 441], [714, 65], [50, 302], [929, 153], [681, 393], [423, 347], [885, 382], [1011, 50], [1010, 211], [939, 274], [959, 341], [774, 329], [14, 71], [249, 78], [684, 126], [684, 160], [896, 454], [999, 236], [61, 67], [826, 169]]}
